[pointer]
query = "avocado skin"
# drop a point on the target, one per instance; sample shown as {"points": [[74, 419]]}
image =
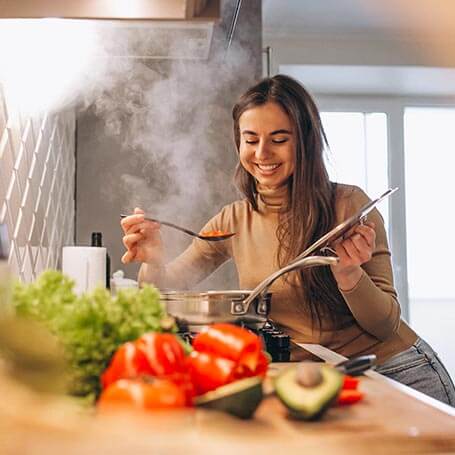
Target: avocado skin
{"points": [[240, 398], [332, 379], [297, 415]]}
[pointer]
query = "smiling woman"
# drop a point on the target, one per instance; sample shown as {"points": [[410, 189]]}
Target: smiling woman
{"points": [[265, 152], [289, 203]]}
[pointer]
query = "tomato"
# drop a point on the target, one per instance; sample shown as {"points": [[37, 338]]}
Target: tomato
{"points": [[209, 371], [232, 342], [153, 394]]}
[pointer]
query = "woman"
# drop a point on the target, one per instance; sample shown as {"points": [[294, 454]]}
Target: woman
{"points": [[289, 203]]}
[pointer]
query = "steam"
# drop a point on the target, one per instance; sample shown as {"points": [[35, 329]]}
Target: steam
{"points": [[170, 117], [174, 117]]}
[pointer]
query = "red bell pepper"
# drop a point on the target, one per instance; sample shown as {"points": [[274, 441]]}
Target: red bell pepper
{"points": [[231, 342], [153, 354], [151, 394], [164, 353], [263, 364], [350, 382], [128, 362], [348, 396], [261, 368], [209, 371]]}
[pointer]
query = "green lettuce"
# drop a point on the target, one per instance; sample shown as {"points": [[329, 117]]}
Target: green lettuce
{"points": [[90, 327]]}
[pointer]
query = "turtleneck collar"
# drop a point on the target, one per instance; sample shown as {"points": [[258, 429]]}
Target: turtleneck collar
{"points": [[273, 199]]}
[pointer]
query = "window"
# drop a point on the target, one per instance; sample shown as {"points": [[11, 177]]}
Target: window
{"points": [[419, 161], [358, 151], [429, 148], [430, 219]]}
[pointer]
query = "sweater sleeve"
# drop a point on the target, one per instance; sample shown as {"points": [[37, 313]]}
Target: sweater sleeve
{"points": [[201, 258], [373, 301]]}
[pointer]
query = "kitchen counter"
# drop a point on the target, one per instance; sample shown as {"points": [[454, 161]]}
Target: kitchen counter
{"points": [[391, 419]]}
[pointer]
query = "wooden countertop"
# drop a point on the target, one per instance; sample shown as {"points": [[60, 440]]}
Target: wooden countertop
{"points": [[389, 420]]}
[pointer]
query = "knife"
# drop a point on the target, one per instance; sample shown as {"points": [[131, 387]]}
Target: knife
{"points": [[357, 365]]}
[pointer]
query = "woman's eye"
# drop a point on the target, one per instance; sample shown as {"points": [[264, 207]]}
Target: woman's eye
{"points": [[251, 141], [280, 141]]}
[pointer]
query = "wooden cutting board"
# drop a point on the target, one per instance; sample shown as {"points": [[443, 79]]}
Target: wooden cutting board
{"points": [[388, 421]]}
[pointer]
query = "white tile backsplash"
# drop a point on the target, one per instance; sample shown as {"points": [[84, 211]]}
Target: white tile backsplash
{"points": [[37, 184]]}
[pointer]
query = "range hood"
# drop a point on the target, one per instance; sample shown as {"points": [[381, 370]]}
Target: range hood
{"points": [[159, 29], [111, 9]]}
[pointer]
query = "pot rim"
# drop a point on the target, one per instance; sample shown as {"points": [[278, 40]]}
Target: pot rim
{"points": [[232, 293]]}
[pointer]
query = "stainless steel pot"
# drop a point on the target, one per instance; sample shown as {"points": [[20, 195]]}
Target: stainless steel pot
{"points": [[198, 309]]}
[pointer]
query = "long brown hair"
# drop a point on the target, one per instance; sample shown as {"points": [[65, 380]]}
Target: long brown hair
{"points": [[310, 210]]}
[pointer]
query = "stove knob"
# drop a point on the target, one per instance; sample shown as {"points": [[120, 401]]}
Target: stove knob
{"points": [[280, 340]]}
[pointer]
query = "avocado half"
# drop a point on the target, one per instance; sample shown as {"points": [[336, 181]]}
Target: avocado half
{"points": [[240, 398], [308, 403]]}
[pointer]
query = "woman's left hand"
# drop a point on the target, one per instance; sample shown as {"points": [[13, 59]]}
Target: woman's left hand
{"points": [[353, 251]]}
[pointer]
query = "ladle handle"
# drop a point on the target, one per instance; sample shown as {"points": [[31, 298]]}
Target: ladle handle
{"points": [[239, 308]]}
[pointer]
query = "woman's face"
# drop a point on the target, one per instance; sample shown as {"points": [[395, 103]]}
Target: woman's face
{"points": [[267, 144]]}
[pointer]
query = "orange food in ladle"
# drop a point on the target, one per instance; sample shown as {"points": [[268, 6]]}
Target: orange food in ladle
{"points": [[215, 233]]}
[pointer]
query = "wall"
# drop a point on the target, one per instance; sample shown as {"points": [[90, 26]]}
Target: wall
{"points": [[160, 138], [358, 49], [37, 180]]}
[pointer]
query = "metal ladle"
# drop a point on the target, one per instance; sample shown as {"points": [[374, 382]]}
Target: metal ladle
{"points": [[209, 238]]}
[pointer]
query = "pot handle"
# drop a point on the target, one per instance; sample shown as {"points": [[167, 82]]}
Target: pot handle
{"points": [[239, 308]]}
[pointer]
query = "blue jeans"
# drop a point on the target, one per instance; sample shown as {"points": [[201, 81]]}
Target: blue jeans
{"points": [[419, 367]]}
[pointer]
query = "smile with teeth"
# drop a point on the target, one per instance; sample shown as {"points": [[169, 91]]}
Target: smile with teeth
{"points": [[267, 167]]}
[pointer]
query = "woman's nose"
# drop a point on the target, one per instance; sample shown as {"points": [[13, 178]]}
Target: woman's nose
{"points": [[262, 150]]}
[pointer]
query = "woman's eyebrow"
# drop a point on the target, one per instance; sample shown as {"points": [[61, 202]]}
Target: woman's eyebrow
{"points": [[280, 132]]}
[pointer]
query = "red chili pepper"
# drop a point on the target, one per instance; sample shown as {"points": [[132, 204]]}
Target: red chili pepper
{"points": [[128, 362], [350, 382], [232, 342], [347, 397], [209, 371]]}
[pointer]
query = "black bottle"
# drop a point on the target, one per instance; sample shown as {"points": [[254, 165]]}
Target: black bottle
{"points": [[97, 240]]}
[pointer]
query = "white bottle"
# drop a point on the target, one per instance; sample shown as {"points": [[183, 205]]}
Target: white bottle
{"points": [[118, 282]]}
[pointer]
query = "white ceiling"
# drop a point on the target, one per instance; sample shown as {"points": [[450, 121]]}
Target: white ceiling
{"points": [[425, 16]]}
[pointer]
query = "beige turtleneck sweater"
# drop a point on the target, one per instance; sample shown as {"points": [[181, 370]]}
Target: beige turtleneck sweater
{"points": [[373, 325]]}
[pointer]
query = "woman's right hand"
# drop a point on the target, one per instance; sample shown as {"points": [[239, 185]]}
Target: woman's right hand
{"points": [[142, 239]]}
